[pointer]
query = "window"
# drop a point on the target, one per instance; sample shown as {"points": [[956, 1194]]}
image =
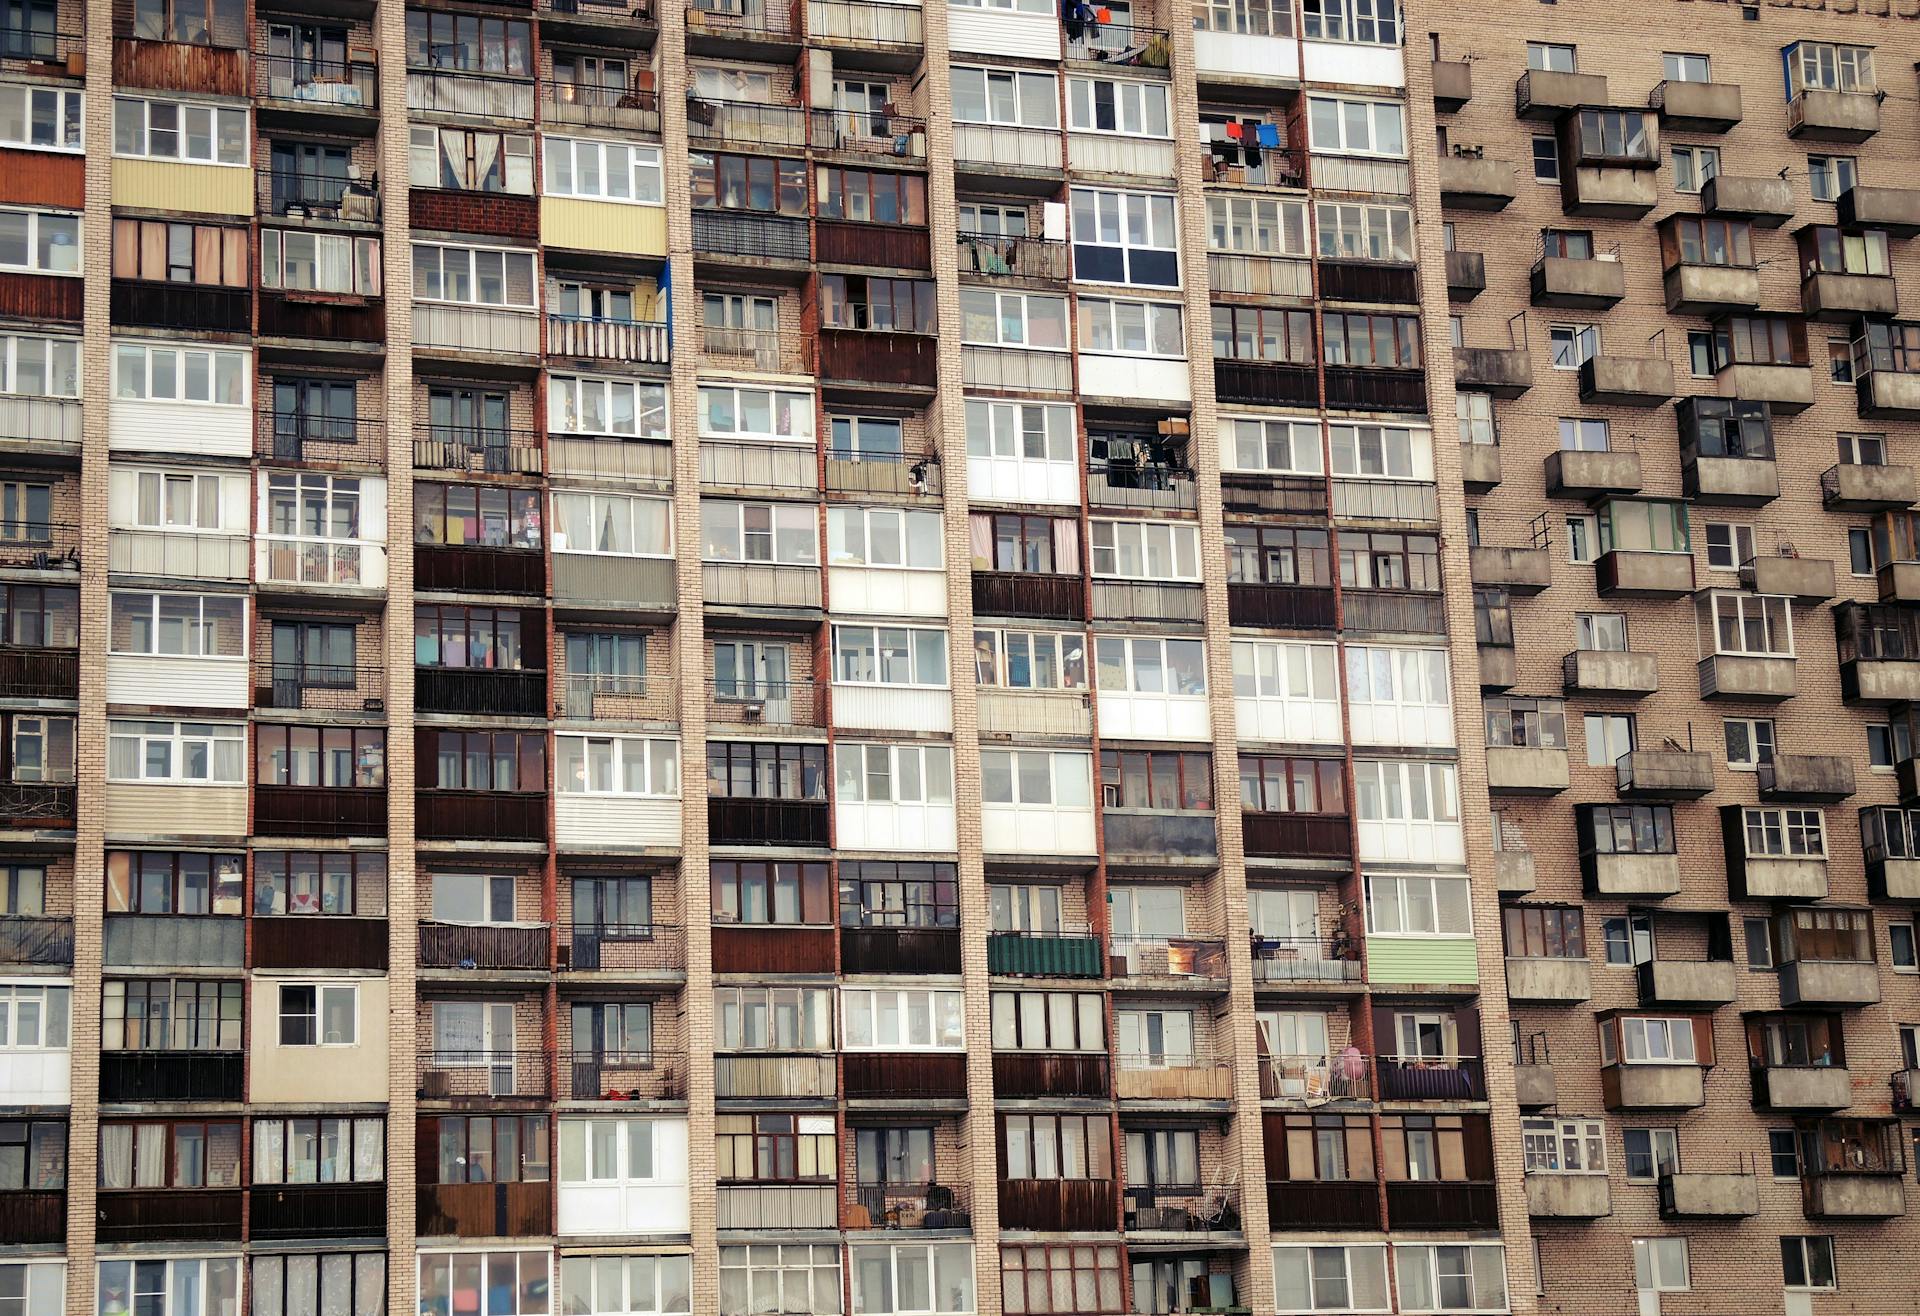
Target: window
{"points": [[466, 160], [892, 774], [1255, 333], [1825, 249], [1831, 175], [1861, 560], [773, 1018], [514, 761], [334, 757], [620, 407], [34, 1018], [1806, 1262], [1549, 57], [157, 1014], [1030, 660], [498, 1283], [1824, 66], [752, 771], [1686, 67], [1725, 427], [604, 171], [1700, 353], [1377, 676], [39, 616], [885, 1019], [319, 262], [1902, 948], [1783, 1150], [1277, 555], [1627, 829], [786, 533], [1023, 431], [1578, 435], [1356, 127], [1728, 545], [47, 242], [1107, 105], [617, 1033], [1060, 1279], [1645, 526], [1131, 328], [474, 276], [1526, 723], [1048, 1021], [1608, 736], [40, 367], [1758, 934], [1121, 237], [884, 538], [890, 655], [1156, 779], [1145, 665], [37, 118], [1546, 159], [1583, 538], [1652, 1154], [1573, 345], [1694, 167], [614, 524], [1564, 1146], [181, 1287], [640, 1285], [1446, 1277], [1759, 340], [1545, 931], [1272, 784], [739, 182], [180, 130], [154, 373], [1056, 1147], [1660, 1265], [870, 196], [1644, 1040], [617, 765], [313, 1014], [1145, 550], [855, 301], [775, 1148], [1862, 449], [1036, 777], [305, 1151], [1604, 632], [1351, 231], [1390, 562], [1475, 411], [1749, 742], [23, 890], [33, 1158], [879, 893], [466, 515], [598, 1151], [772, 1278], [332, 882], [1331, 1278], [1013, 319], [459, 636], [1006, 98], [782, 894], [41, 748], [1370, 22], [212, 753], [1614, 136], [466, 43], [1756, 624], [1371, 341], [1418, 906]]}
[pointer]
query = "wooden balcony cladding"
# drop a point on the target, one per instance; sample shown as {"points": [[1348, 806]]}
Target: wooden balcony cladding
{"points": [[320, 942], [1369, 281], [774, 1075], [178, 66], [459, 945], [477, 570], [1265, 383], [41, 297], [1281, 607], [767, 822], [169, 1214], [772, 950], [890, 246], [172, 1076], [1029, 594], [1317, 1204], [1442, 1206], [484, 1210], [1297, 835], [331, 1210], [481, 690], [1050, 1074], [190, 941], [47, 942], [1386, 612], [182, 306], [320, 811], [41, 178], [481, 816], [877, 356], [1058, 1205], [290, 315], [27, 1218], [39, 673], [1303, 495], [492, 214], [930, 1076], [899, 950], [1377, 390]]}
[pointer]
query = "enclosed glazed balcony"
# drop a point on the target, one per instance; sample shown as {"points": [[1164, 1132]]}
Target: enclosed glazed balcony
{"points": [[1886, 369], [1852, 1169], [1890, 842], [1844, 274], [1627, 850], [1825, 956], [1879, 652]]}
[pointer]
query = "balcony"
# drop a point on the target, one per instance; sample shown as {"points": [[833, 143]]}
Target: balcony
{"points": [[484, 1210], [1625, 873], [1475, 183], [1130, 486], [1050, 1074], [1544, 980], [1817, 115], [778, 587], [767, 822], [1766, 201], [1709, 289], [1505, 372], [1452, 85], [1534, 1085], [1479, 466], [27, 673], [1809, 778], [1466, 275], [1704, 1195], [1167, 963], [481, 1077], [320, 810], [168, 940], [42, 427], [1894, 210], [1011, 158], [1323, 1204], [655, 1077], [142, 1076], [767, 948], [878, 357], [1548, 95], [1450, 1078], [1183, 1211], [481, 690], [169, 1215], [1265, 383], [888, 246], [990, 257], [909, 1076], [1696, 107], [1853, 1196], [1636, 574], [1592, 474], [33, 1217], [36, 941], [1766, 680], [775, 1206], [1653, 1087], [1666, 980], [319, 942], [1801, 1087], [1843, 298], [1852, 488], [1045, 955], [747, 238], [906, 950], [276, 1211], [650, 950], [1847, 983], [884, 36], [481, 452], [1639, 382], [589, 338], [38, 806], [1514, 872], [787, 1076], [1016, 369], [631, 109], [469, 947], [1374, 388], [1059, 1205], [479, 569], [464, 815], [902, 1206], [1593, 283], [1526, 770], [648, 586], [1607, 191], [147, 305], [1749, 481], [294, 317], [1326, 837], [1029, 594], [1664, 775], [1568, 1196]]}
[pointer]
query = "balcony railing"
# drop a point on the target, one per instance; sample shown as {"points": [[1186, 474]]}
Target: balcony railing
{"points": [[906, 1206], [39, 673], [513, 1209], [1167, 1077], [480, 569], [899, 950], [467, 1075], [1201, 1208], [630, 11], [1305, 959], [521, 947], [865, 132], [992, 256], [1311, 1079], [33, 1216], [1067, 953], [1121, 44], [607, 457], [797, 702], [775, 1074], [316, 83], [1323, 1204], [490, 451], [1281, 607], [1133, 487], [37, 804], [332, 687], [139, 1076], [169, 1214], [327, 941], [749, 20], [864, 23], [456, 91], [1050, 1074], [488, 690], [1151, 955], [762, 349], [753, 123], [140, 552], [181, 306], [1297, 835], [1058, 1205], [328, 1210], [653, 1075], [623, 695], [456, 815], [750, 235], [912, 1075], [33, 43], [851, 471], [1448, 1078], [39, 545], [593, 338], [788, 467], [1029, 594], [36, 940], [298, 436], [567, 102], [314, 194], [1456, 1205], [623, 948], [320, 810], [766, 822], [900, 358], [1386, 500]]}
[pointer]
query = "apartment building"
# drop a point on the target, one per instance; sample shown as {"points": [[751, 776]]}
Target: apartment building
{"points": [[1686, 394], [741, 658]]}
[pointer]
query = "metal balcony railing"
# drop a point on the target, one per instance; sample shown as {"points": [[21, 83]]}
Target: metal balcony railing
{"points": [[595, 947], [316, 82], [450, 1074], [1311, 1079]]}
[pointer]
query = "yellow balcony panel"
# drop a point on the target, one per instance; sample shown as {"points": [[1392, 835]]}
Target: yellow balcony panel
{"points": [[199, 189], [611, 226]]}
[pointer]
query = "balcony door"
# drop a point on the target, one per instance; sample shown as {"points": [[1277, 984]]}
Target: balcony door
{"points": [[609, 909], [322, 410], [1294, 1058], [476, 1035], [755, 672], [32, 31], [308, 177], [473, 421], [1144, 919], [1286, 924]]}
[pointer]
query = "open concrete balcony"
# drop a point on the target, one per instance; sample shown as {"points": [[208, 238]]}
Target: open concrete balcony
{"points": [[1610, 672]]}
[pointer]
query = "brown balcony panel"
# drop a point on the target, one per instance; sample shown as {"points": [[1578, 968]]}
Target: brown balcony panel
{"points": [[772, 950], [486, 1210], [1319, 1204], [479, 570], [288, 315], [767, 822], [1297, 835], [37, 805], [1766, 200], [1058, 1205], [1461, 1079], [1376, 389], [319, 811], [47, 297], [179, 66], [1896, 210], [41, 178], [899, 950], [319, 942], [1370, 281], [1443, 1205], [927, 1076], [888, 246], [1475, 183], [1280, 607], [459, 945], [489, 214], [39, 673], [1265, 383], [873, 356], [46, 942], [1029, 594], [141, 1076], [481, 690], [1697, 107], [1050, 1074], [356, 1210], [33, 1217], [169, 1214], [481, 815], [180, 306]]}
